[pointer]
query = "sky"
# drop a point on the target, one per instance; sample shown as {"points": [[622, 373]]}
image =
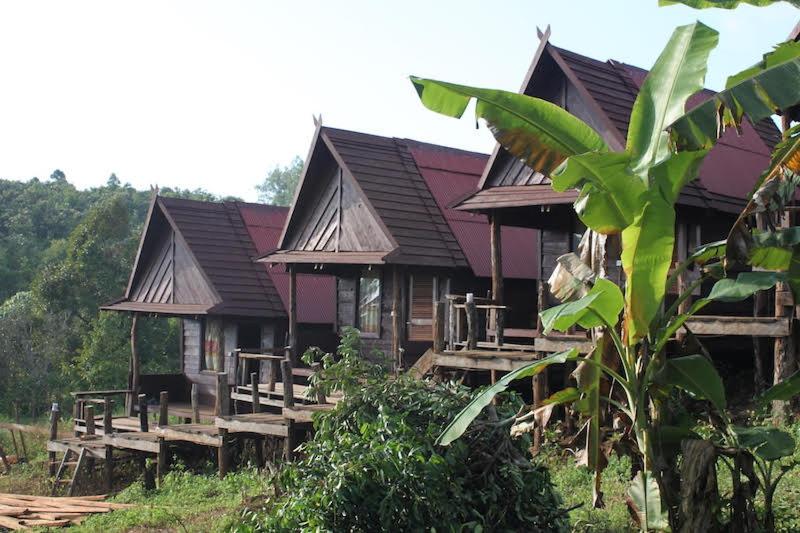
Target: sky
{"points": [[213, 94]]}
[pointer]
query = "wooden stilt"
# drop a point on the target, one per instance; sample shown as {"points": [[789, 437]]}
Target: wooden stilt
{"points": [[144, 425], [195, 397], [51, 456], [293, 341], [163, 408], [223, 454], [288, 383], [438, 327], [108, 429], [256, 397], [223, 398], [135, 363], [472, 322], [396, 319], [161, 460], [89, 414]]}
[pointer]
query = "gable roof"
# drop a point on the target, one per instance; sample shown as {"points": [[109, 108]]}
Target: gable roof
{"points": [[408, 187], [222, 239], [610, 89]]}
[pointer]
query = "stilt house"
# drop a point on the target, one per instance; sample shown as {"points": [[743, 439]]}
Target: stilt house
{"points": [[374, 211], [196, 262]]}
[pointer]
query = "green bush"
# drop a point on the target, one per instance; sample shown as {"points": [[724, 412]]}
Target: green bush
{"points": [[372, 465]]}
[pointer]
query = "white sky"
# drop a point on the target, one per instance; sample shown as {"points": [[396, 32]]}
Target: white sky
{"points": [[214, 94]]}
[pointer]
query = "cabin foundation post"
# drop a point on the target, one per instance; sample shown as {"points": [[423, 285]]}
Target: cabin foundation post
{"points": [[223, 401], [51, 456], [438, 327], [293, 343], [397, 319], [255, 396], [163, 408], [144, 425], [451, 325], [89, 416], [135, 368], [497, 316], [539, 394], [108, 429], [472, 322], [288, 403]]}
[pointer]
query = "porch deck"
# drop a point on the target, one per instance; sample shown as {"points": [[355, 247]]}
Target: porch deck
{"points": [[255, 424]]}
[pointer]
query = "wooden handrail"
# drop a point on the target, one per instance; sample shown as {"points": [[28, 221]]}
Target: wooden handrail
{"points": [[112, 392]]}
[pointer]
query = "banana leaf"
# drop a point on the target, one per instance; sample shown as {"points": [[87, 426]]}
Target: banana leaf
{"points": [[696, 375], [462, 420], [785, 390], [677, 74], [538, 132], [644, 500], [602, 305], [783, 52], [724, 4], [754, 98]]}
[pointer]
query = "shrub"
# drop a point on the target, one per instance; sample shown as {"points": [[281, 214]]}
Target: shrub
{"points": [[372, 465]]}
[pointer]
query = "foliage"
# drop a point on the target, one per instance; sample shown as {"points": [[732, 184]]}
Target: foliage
{"points": [[724, 4], [279, 185], [633, 193], [373, 465]]}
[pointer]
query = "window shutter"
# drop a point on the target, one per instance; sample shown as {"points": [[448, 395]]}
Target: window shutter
{"points": [[421, 309]]}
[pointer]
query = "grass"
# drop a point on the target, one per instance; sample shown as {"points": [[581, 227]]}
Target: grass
{"points": [[184, 502]]}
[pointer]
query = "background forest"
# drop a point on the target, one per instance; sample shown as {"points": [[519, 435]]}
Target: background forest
{"points": [[63, 253]]}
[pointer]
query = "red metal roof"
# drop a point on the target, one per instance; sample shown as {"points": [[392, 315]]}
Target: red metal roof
{"points": [[450, 174], [316, 295]]}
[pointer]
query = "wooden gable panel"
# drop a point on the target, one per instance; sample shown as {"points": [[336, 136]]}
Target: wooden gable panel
{"points": [[360, 231], [153, 282], [190, 286]]}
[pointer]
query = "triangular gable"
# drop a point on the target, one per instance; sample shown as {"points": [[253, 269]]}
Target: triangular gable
{"points": [[165, 270], [331, 212]]}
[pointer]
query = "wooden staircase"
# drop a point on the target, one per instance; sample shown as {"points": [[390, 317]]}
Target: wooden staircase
{"points": [[75, 462]]}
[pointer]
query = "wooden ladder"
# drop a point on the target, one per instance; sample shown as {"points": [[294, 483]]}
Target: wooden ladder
{"points": [[67, 463]]}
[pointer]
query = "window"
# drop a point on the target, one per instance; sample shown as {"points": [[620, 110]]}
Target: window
{"points": [[212, 345], [369, 303]]}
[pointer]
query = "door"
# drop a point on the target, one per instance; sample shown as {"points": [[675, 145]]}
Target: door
{"points": [[420, 314]]}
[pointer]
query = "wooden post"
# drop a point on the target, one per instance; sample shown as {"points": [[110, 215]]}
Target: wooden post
{"points": [[539, 395], [76, 415], [135, 363], [438, 327], [451, 325], [254, 391], [21, 436], [497, 273], [108, 429], [223, 403], [316, 367], [396, 319], [288, 384], [163, 408], [274, 367], [472, 322], [293, 342], [54, 415], [195, 398], [89, 415], [144, 426], [499, 326], [222, 453], [161, 460], [540, 303]]}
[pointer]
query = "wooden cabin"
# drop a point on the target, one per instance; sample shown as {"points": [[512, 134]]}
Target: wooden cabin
{"points": [[196, 262], [374, 211], [602, 94]]}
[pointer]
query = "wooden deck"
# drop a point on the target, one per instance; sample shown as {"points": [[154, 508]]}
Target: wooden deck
{"points": [[202, 434], [255, 423], [302, 414], [136, 441], [92, 444]]}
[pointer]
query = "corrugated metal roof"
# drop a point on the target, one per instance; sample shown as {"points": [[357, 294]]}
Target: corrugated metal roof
{"points": [[316, 295], [449, 175]]}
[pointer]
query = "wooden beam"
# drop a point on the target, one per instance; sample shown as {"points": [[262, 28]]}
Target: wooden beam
{"points": [[739, 325], [555, 344], [293, 341], [503, 364], [396, 318], [135, 364]]}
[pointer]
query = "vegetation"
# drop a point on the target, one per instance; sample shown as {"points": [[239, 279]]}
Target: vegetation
{"points": [[372, 464], [279, 185], [633, 194], [63, 253]]}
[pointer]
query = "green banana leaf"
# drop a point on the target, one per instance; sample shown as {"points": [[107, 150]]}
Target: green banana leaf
{"points": [[785, 390], [644, 499], [610, 192], [541, 134], [696, 375], [677, 74], [755, 98], [601, 305], [724, 4], [769, 443], [462, 420], [783, 52]]}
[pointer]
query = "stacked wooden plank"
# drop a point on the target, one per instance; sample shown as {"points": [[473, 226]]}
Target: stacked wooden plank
{"points": [[21, 511]]}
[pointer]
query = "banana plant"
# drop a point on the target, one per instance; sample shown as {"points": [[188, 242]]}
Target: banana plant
{"points": [[725, 4], [633, 193]]}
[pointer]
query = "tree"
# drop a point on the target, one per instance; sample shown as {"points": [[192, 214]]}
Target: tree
{"points": [[633, 193], [279, 185]]}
